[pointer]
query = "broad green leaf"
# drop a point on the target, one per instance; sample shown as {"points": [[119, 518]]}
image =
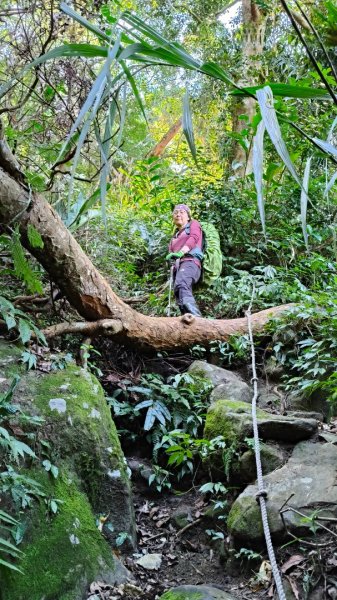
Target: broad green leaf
{"points": [[150, 419], [25, 331], [5, 435]]}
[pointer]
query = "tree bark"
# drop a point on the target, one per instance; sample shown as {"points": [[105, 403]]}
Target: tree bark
{"points": [[253, 24], [160, 147], [89, 292]]}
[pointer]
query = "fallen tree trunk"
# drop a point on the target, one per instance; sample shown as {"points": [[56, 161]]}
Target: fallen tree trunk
{"points": [[88, 291]]}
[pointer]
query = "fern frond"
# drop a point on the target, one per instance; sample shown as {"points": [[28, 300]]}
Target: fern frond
{"points": [[34, 237], [22, 267]]}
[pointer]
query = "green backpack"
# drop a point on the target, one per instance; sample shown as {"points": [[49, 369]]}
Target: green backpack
{"points": [[210, 255], [212, 262]]}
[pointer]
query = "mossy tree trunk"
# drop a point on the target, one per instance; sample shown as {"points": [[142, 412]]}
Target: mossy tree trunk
{"points": [[88, 291]]}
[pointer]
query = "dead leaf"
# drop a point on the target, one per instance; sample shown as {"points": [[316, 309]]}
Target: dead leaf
{"points": [[162, 522], [153, 511], [294, 587], [294, 560]]}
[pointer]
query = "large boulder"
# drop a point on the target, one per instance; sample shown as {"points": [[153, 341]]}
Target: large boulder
{"points": [[196, 592], [77, 434], [63, 553], [232, 419], [226, 384], [310, 475], [272, 457]]}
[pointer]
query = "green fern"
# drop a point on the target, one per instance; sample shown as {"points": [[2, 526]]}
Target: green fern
{"points": [[22, 267], [34, 237]]}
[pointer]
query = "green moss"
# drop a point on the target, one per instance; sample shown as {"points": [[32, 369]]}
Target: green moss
{"points": [[83, 430], [217, 422], [232, 419], [172, 595], [10, 355], [244, 519], [63, 552]]}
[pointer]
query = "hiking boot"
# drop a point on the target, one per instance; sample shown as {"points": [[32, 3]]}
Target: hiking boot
{"points": [[192, 309]]}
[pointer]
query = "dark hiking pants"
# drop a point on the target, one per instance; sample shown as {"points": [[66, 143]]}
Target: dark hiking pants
{"points": [[187, 275]]}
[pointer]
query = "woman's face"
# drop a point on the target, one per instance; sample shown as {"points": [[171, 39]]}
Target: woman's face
{"points": [[180, 217]]}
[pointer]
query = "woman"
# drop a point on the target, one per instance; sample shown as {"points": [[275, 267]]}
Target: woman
{"points": [[186, 249]]}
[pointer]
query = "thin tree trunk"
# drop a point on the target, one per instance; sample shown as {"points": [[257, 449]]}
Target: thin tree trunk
{"points": [[166, 139], [89, 292], [254, 24]]}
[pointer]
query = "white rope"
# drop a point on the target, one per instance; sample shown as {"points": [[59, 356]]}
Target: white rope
{"points": [[170, 291], [262, 492]]}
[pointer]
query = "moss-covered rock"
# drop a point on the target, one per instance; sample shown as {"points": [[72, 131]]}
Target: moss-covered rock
{"points": [[196, 592], [78, 425], [226, 384], [245, 517], [63, 553], [232, 419], [309, 477], [272, 457], [93, 478]]}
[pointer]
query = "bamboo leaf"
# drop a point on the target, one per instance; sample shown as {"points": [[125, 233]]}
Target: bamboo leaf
{"points": [[9, 565], [134, 88], [265, 99], [331, 130], [94, 96], [258, 170], [304, 200], [285, 90], [105, 149], [215, 71], [175, 50], [330, 184], [70, 50], [326, 146], [76, 17], [188, 127]]}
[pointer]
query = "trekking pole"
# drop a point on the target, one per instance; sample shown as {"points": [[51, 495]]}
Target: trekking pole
{"points": [[170, 290]]}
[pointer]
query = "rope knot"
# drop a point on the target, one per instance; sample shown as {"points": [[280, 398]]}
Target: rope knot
{"points": [[261, 494]]}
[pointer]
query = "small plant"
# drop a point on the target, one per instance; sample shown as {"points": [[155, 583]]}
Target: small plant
{"points": [[18, 320], [160, 478], [8, 523], [215, 535], [247, 554]]}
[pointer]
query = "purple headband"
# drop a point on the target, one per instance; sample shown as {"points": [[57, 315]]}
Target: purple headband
{"points": [[183, 207]]}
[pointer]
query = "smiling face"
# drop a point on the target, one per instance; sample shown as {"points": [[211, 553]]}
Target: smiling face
{"points": [[180, 217]]}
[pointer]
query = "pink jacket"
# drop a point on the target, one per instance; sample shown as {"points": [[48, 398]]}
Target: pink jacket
{"points": [[191, 240]]}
